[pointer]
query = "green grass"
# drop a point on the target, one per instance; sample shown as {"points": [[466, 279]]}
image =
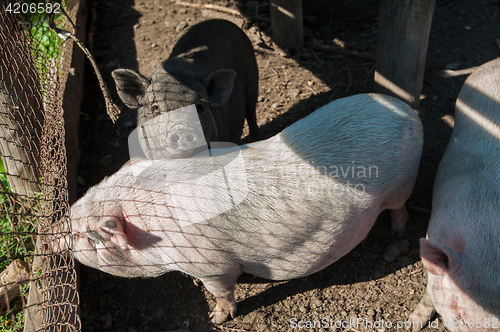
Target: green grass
{"points": [[3, 178], [45, 44], [17, 224], [14, 322], [7, 324]]}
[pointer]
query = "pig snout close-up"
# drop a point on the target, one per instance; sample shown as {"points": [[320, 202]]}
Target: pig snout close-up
{"points": [[462, 250], [213, 67], [279, 209]]}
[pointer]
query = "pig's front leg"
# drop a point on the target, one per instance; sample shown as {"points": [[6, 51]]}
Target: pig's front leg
{"points": [[399, 218], [222, 287], [423, 312]]}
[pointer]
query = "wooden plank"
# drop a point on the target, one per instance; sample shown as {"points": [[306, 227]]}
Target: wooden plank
{"points": [[33, 313], [21, 115], [72, 102], [287, 23], [11, 280], [62, 307], [403, 34]]}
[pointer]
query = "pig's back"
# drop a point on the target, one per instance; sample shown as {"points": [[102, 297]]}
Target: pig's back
{"points": [[473, 153], [470, 167], [304, 201], [477, 112], [217, 44], [379, 133]]}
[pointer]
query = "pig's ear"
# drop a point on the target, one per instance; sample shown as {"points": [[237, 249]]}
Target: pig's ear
{"points": [[131, 86], [219, 85], [438, 259]]}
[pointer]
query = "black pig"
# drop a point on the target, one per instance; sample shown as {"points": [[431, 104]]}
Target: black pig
{"points": [[212, 66]]}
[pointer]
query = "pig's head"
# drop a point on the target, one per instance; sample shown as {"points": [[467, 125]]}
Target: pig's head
{"points": [[465, 288], [108, 232], [173, 85]]}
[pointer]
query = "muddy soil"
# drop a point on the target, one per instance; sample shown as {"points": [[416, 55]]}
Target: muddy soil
{"points": [[293, 83]]}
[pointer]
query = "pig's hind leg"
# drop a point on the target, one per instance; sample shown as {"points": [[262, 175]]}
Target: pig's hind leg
{"points": [[222, 287], [399, 218], [423, 312]]}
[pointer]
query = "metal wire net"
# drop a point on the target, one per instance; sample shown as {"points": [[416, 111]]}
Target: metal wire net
{"points": [[34, 65]]}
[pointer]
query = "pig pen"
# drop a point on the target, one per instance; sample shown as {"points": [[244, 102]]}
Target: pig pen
{"points": [[360, 292]]}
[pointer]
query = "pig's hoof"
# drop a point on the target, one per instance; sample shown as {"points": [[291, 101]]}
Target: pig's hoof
{"points": [[223, 309], [422, 313], [418, 322], [220, 316]]}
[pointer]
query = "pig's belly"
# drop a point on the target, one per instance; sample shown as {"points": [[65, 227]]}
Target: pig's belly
{"points": [[272, 259]]}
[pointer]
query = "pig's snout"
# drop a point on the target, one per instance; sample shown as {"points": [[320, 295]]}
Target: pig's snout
{"points": [[183, 141], [182, 138], [173, 134]]}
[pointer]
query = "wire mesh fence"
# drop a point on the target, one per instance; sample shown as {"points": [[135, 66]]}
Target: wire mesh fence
{"points": [[34, 65]]}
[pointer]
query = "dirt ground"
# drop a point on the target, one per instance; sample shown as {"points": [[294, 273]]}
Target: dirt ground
{"points": [[293, 83]]}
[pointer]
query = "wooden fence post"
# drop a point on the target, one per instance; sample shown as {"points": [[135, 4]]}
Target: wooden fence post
{"points": [[287, 25], [403, 34], [21, 116]]}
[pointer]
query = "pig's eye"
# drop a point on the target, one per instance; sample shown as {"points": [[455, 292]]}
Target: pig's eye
{"points": [[109, 226], [110, 223], [155, 110]]}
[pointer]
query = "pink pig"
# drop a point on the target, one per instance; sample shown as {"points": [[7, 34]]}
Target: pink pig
{"points": [[462, 249], [281, 208]]}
